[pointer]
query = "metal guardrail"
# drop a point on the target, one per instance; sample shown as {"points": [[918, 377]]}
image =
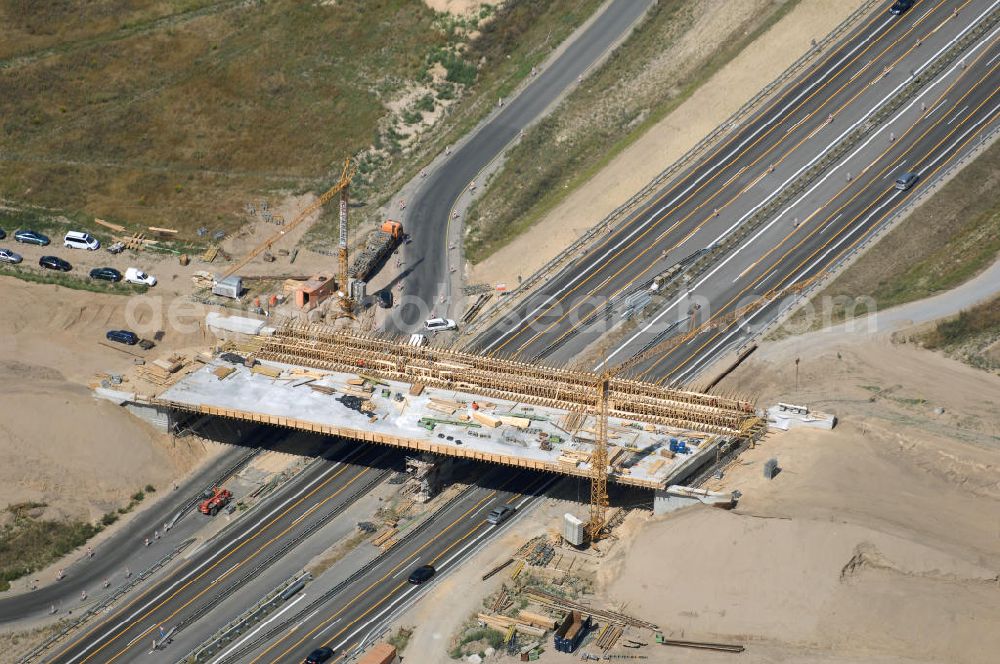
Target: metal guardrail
{"points": [[620, 213], [881, 230], [834, 153], [104, 604], [260, 610]]}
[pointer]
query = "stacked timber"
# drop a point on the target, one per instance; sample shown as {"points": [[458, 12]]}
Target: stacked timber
{"points": [[503, 623]]}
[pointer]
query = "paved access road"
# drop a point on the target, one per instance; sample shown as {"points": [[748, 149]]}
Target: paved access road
{"points": [[222, 564], [124, 551], [746, 171], [348, 617], [429, 209]]}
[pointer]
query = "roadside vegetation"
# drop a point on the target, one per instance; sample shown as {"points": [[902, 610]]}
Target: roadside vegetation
{"points": [[972, 337], [29, 542], [658, 67], [178, 113], [950, 238]]}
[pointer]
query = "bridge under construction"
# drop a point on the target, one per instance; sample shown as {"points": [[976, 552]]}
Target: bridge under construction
{"points": [[314, 378]]}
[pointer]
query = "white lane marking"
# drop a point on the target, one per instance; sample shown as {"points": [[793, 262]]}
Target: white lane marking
{"points": [[410, 590], [330, 626], [262, 626], [892, 169], [993, 59], [715, 166], [831, 222], [955, 117], [706, 357], [194, 571], [926, 90]]}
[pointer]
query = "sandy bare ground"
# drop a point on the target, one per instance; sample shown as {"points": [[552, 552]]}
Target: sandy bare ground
{"points": [[713, 102], [58, 444], [457, 7]]}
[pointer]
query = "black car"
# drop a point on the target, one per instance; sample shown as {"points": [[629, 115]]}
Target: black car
{"points": [[54, 263], [3, 233], [31, 237], [319, 656], [123, 337], [384, 298], [421, 574], [106, 273], [901, 6]]}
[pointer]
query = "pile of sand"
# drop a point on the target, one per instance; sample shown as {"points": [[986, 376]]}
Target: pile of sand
{"points": [[58, 444], [876, 542]]}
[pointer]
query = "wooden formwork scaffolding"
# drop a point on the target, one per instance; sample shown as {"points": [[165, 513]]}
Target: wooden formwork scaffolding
{"points": [[323, 347]]}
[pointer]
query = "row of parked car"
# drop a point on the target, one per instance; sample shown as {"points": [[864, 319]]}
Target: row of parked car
{"points": [[72, 240]]}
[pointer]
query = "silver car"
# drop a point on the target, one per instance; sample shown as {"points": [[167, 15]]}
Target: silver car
{"points": [[8, 256]]}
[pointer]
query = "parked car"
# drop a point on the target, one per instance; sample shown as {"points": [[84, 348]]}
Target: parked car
{"points": [[906, 180], [3, 234], [319, 656], [500, 514], [901, 7], [78, 240], [134, 275], [384, 298], [8, 256], [106, 274], [54, 263], [123, 337], [421, 574], [438, 324], [31, 237]]}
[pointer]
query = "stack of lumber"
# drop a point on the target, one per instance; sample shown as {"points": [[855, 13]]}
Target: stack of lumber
{"points": [[536, 619], [270, 372], [486, 420], [573, 457], [161, 371], [223, 372], [384, 536], [114, 227], [517, 422], [361, 392], [416, 389], [446, 406], [202, 279], [615, 455], [322, 389], [503, 623], [210, 254], [503, 600]]}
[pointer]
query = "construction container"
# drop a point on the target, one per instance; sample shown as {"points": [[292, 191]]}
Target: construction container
{"points": [[572, 529], [571, 631], [381, 653], [231, 287]]}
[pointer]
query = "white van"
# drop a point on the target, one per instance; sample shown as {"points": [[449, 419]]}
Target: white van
{"points": [[78, 240], [134, 275]]}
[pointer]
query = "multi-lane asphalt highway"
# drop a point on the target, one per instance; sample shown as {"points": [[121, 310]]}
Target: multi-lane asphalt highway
{"points": [[429, 209], [220, 566], [781, 144], [348, 616]]}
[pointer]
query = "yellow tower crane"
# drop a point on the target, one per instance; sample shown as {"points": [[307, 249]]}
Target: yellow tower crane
{"points": [[339, 188]]}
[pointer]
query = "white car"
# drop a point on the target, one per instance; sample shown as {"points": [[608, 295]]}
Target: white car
{"points": [[439, 324], [78, 240], [8, 256], [134, 275]]}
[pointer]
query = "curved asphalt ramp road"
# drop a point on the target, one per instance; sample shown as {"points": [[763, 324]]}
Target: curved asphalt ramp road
{"points": [[430, 206]]}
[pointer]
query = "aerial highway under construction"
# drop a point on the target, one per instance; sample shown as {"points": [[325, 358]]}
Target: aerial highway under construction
{"points": [[809, 175], [713, 257]]}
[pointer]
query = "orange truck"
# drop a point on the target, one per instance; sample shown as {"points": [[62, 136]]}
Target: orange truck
{"points": [[378, 246], [214, 500]]}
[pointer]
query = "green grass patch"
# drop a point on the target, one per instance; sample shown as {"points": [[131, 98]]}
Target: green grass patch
{"points": [[951, 237], [29, 543], [605, 115], [67, 280], [969, 324]]}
